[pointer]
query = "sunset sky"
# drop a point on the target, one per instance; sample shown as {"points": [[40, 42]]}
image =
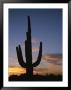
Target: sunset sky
{"points": [[46, 26]]}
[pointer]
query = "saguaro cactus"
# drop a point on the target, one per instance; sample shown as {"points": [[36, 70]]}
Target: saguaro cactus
{"points": [[28, 53]]}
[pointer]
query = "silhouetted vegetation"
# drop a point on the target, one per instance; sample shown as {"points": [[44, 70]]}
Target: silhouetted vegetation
{"points": [[24, 77], [28, 53]]}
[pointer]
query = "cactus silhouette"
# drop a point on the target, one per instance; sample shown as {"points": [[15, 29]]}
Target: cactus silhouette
{"points": [[28, 53]]}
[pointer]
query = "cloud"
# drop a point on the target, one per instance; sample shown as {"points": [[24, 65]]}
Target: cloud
{"points": [[41, 71], [16, 70], [55, 69], [35, 49], [51, 69], [55, 62], [53, 58], [35, 45]]}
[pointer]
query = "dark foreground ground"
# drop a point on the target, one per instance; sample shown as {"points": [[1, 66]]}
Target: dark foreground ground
{"points": [[35, 78]]}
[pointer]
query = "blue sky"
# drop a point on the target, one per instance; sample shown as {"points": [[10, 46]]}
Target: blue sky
{"points": [[46, 26]]}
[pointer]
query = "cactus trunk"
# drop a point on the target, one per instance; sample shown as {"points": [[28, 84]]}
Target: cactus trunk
{"points": [[29, 71]]}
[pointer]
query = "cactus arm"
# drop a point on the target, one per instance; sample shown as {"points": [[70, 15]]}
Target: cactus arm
{"points": [[39, 56], [20, 57], [26, 53]]}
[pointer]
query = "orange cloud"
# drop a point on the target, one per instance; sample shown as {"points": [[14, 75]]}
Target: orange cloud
{"points": [[16, 70], [35, 49], [51, 69], [54, 69]]}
